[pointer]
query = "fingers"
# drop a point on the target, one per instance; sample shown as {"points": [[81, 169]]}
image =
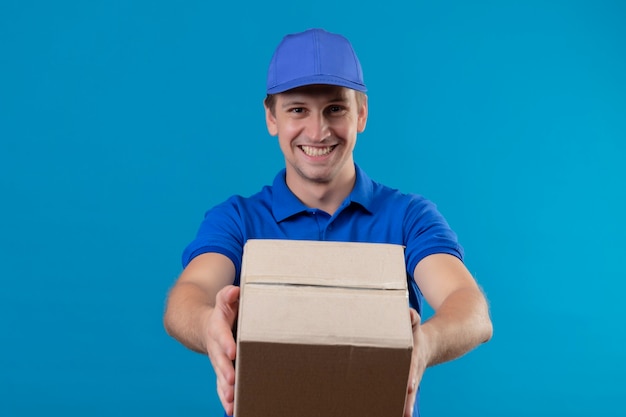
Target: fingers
{"points": [[415, 323], [221, 321], [230, 294], [413, 377], [411, 391], [415, 318], [223, 366], [225, 373], [227, 303], [412, 382], [412, 385], [221, 345], [408, 406], [226, 395]]}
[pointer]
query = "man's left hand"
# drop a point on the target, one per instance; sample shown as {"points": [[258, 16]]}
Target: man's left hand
{"points": [[417, 364]]}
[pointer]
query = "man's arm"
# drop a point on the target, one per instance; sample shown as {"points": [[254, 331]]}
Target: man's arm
{"points": [[200, 313], [461, 320]]}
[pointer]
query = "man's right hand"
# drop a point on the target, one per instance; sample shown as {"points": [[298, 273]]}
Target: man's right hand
{"points": [[200, 313], [220, 343]]}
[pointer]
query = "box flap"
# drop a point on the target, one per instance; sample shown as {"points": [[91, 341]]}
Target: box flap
{"points": [[323, 263]]}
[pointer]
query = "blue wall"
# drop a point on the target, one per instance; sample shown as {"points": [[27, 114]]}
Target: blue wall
{"points": [[121, 122]]}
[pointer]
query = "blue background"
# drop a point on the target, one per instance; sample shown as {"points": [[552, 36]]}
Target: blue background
{"points": [[121, 122]]}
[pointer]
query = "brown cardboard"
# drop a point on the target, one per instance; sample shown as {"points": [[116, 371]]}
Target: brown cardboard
{"points": [[324, 330]]}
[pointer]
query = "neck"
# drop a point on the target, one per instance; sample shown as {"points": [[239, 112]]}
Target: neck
{"points": [[326, 196]]}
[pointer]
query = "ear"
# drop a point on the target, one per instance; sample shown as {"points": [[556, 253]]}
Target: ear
{"points": [[270, 120], [362, 117]]}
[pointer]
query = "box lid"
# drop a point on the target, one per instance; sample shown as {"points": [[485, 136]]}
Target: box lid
{"points": [[323, 263]]}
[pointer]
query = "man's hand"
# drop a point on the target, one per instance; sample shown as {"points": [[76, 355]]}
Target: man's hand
{"points": [[200, 313], [460, 323], [220, 344], [418, 365]]}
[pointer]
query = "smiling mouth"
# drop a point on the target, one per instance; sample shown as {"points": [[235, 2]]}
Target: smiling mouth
{"points": [[316, 151]]}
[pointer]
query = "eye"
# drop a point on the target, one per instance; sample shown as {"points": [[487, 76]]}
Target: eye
{"points": [[336, 109], [296, 110]]}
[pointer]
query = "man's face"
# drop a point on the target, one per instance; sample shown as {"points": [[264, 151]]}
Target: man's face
{"points": [[317, 127]]}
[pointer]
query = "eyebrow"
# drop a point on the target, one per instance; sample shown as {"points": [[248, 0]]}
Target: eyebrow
{"points": [[298, 102], [291, 103]]}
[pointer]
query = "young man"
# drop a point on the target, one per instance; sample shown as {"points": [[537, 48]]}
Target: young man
{"points": [[316, 106]]}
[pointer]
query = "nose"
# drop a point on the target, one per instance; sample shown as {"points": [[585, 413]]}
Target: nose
{"points": [[317, 127]]}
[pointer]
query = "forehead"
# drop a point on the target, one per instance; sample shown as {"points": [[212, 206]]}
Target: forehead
{"points": [[318, 91]]}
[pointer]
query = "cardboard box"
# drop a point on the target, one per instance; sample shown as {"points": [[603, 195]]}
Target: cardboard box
{"points": [[324, 330]]}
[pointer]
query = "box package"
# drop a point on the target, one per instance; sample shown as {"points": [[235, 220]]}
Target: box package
{"points": [[323, 330]]}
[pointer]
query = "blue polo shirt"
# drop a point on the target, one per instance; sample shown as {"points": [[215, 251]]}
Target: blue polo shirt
{"points": [[371, 213]]}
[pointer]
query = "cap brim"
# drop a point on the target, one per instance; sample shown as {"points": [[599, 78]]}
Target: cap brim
{"points": [[316, 79]]}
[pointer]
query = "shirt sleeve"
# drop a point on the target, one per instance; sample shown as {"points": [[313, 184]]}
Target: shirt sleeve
{"points": [[219, 232], [427, 232]]}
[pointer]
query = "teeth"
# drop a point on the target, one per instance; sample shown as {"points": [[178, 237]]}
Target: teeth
{"points": [[313, 151]]}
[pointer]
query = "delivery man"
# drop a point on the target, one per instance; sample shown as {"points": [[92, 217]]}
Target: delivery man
{"points": [[316, 105]]}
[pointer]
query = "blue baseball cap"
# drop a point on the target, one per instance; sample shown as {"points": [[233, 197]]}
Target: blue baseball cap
{"points": [[314, 56]]}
